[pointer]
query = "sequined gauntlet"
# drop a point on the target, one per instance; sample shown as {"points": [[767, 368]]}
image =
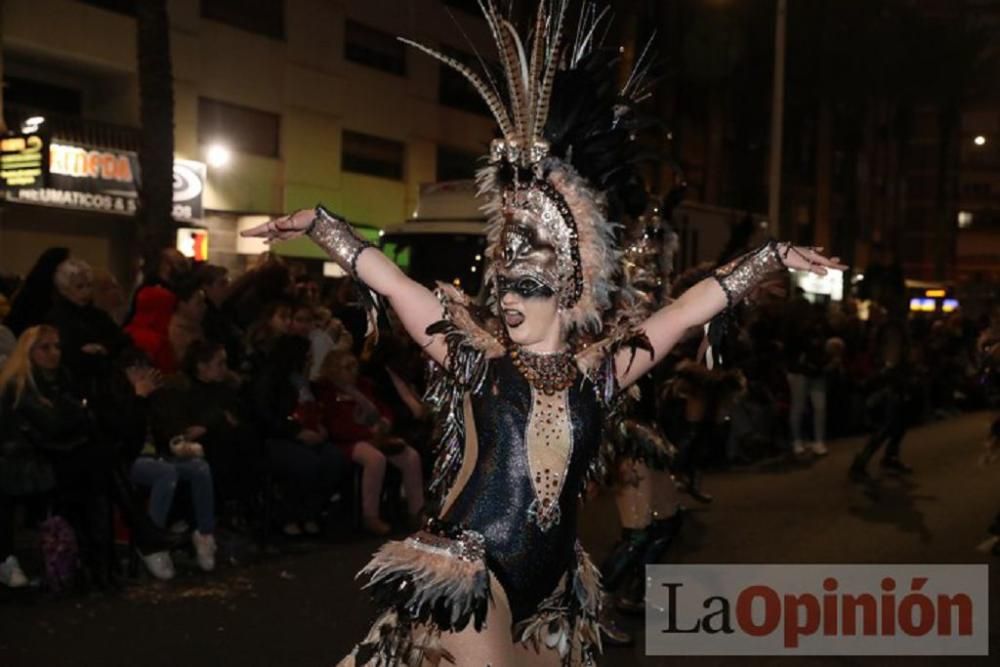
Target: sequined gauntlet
{"points": [[742, 274], [336, 236]]}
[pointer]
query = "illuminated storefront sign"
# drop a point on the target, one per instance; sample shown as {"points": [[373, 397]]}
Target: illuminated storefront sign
{"points": [[93, 179], [22, 161], [193, 242]]}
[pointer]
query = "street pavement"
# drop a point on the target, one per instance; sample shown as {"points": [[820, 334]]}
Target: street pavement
{"points": [[302, 606]]}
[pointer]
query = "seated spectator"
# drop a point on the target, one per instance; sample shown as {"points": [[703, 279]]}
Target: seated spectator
{"points": [[90, 338], [45, 408], [149, 328], [297, 444], [362, 427], [274, 321], [181, 460], [217, 323], [320, 343], [200, 402]]}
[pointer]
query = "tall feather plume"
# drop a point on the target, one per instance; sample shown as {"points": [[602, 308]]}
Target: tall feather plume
{"points": [[492, 100], [537, 53], [511, 67], [552, 66], [523, 82]]}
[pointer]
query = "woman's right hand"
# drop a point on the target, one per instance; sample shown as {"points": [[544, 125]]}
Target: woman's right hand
{"points": [[310, 437], [283, 228]]}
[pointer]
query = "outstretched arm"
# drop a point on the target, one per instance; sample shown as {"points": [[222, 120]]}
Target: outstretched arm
{"points": [[416, 305], [706, 299]]}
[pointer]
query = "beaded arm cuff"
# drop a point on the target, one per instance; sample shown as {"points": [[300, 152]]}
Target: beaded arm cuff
{"points": [[336, 236], [742, 274]]}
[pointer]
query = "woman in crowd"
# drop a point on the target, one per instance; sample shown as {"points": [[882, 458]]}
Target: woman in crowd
{"points": [[46, 408], [201, 403], [90, 338], [296, 443], [361, 426]]}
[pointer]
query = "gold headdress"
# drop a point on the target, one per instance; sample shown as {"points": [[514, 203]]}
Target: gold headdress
{"points": [[548, 218]]}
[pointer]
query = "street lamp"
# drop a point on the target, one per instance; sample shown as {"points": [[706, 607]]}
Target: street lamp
{"points": [[219, 156]]}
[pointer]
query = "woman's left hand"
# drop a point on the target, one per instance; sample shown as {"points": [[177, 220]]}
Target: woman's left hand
{"points": [[806, 258]]}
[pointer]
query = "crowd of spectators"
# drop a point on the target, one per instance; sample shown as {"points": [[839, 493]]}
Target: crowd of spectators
{"points": [[192, 404]]}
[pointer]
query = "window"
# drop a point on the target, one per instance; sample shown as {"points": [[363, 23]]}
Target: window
{"points": [[455, 165], [453, 88], [241, 128], [375, 156], [374, 48], [41, 96], [263, 17]]}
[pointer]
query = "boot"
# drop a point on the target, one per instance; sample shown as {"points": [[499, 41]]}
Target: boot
{"points": [[624, 556], [662, 533]]}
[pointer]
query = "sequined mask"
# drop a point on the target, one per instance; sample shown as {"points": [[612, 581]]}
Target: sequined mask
{"points": [[539, 239]]}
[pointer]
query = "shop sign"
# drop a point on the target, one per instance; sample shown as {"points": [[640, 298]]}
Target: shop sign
{"points": [[22, 161], [88, 178]]}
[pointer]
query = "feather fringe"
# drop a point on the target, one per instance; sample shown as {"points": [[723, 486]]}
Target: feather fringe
{"points": [[431, 578]]}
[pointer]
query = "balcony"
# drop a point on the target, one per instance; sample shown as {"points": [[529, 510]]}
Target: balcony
{"points": [[76, 130]]}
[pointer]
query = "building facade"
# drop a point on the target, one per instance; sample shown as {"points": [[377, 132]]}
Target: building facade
{"points": [[315, 100]]}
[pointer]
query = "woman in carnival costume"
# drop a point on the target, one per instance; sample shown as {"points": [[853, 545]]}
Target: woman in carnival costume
{"points": [[498, 577]]}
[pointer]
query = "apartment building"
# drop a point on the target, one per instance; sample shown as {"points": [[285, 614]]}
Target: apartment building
{"points": [[278, 105]]}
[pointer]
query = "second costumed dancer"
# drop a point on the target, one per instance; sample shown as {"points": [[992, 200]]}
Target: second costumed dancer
{"points": [[498, 577]]}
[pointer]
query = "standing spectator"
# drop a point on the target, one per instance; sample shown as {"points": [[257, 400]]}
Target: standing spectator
{"points": [[806, 354], [172, 264], [90, 338], [362, 427], [109, 296], [297, 444], [154, 308], [34, 298]]}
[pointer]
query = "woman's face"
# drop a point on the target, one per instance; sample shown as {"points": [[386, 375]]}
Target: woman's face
{"points": [[46, 353], [281, 321], [531, 315], [215, 369], [80, 289]]}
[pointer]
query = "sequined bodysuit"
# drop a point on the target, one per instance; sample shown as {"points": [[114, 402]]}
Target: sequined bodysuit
{"points": [[522, 489]]}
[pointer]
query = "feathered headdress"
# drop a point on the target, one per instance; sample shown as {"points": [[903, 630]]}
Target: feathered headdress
{"points": [[565, 159]]}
